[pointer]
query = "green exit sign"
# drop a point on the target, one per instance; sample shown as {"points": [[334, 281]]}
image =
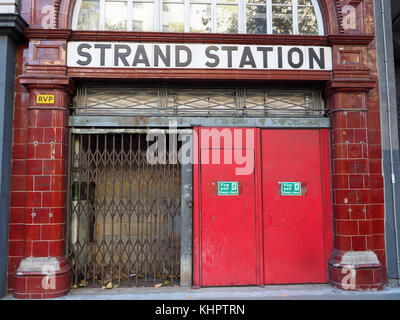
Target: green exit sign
{"points": [[228, 188], [291, 188]]}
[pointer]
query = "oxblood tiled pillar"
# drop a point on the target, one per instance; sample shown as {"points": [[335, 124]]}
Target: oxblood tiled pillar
{"points": [[44, 271], [354, 265]]}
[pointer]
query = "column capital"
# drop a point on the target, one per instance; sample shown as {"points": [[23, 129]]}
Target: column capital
{"points": [[348, 86], [35, 82]]}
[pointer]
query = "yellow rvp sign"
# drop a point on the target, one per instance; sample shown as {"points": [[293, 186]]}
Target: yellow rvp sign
{"points": [[45, 98]]}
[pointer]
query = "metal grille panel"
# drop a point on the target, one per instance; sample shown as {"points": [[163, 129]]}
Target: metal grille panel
{"points": [[124, 214], [227, 101]]}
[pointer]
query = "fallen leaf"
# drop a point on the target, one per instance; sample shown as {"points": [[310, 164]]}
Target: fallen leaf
{"points": [[158, 285], [166, 282], [74, 286], [108, 286], [115, 286]]}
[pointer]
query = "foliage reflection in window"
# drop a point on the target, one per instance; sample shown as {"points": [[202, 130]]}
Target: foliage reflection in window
{"points": [[143, 16], [282, 16], [227, 16], [256, 16], [116, 15], [173, 16], [200, 16], [89, 15], [307, 18]]}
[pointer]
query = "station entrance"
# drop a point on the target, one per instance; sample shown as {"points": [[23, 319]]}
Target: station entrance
{"points": [[125, 210]]}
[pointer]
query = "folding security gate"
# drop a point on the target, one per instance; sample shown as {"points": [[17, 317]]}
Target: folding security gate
{"points": [[124, 213]]}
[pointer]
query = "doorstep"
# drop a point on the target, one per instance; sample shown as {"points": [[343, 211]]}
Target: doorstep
{"points": [[276, 292]]}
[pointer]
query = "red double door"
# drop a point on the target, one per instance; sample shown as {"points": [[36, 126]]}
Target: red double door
{"points": [[263, 213]]}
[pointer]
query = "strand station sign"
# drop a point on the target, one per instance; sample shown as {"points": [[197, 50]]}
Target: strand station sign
{"points": [[197, 56]]}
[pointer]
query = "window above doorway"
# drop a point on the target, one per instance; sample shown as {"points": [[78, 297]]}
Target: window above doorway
{"points": [[290, 17]]}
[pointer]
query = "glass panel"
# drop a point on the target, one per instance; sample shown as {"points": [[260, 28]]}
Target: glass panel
{"points": [[282, 2], [305, 2], [173, 17], [257, 1], [89, 16], [290, 102], [256, 19], [227, 18], [200, 18], [307, 21], [204, 102], [116, 15], [282, 22], [227, 1], [143, 17]]}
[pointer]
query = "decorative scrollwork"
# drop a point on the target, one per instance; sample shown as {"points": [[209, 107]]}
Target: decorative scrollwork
{"points": [[339, 15]]}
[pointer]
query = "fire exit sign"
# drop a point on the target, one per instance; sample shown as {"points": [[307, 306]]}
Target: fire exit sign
{"points": [[228, 188], [291, 188]]}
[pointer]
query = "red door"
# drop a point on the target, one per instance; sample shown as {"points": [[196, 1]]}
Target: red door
{"points": [[294, 243], [261, 235], [227, 232]]}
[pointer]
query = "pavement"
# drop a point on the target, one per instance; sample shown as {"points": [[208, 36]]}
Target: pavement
{"points": [[278, 292]]}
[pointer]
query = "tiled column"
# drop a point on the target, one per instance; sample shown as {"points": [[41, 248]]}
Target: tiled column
{"points": [[357, 192], [44, 271]]}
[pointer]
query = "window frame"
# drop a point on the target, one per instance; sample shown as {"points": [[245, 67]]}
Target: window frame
{"points": [[241, 5]]}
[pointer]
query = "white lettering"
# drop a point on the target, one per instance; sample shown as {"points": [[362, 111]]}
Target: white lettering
{"points": [[349, 281], [225, 309], [183, 311]]}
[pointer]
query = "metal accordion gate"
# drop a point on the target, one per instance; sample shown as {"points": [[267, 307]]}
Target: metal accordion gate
{"points": [[124, 213]]}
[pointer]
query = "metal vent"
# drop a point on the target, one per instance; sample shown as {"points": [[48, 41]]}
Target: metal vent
{"points": [[228, 101]]}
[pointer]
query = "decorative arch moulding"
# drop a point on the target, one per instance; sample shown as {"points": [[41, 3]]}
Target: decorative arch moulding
{"points": [[331, 11], [70, 35]]}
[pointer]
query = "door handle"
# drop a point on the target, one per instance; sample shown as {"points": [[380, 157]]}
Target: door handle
{"points": [[269, 220]]}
